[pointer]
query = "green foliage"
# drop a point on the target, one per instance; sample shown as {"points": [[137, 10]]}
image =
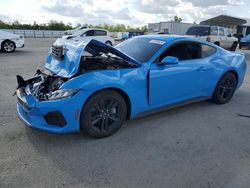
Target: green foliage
{"points": [[118, 28], [177, 19], [54, 25]]}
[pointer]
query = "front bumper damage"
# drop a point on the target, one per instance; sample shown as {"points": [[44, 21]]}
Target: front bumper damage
{"points": [[57, 116]]}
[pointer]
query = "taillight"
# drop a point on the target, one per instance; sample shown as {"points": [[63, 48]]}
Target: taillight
{"points": [[208, 39]]}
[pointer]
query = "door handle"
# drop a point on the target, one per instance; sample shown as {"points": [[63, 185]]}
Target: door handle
{"points": [[201, 69]]}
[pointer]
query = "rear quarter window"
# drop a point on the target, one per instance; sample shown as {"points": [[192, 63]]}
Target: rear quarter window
{"points": [[198, 31], [100, 33], [207, 50]]}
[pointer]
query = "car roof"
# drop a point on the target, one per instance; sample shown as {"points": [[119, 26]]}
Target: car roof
{"points": [[169, 38], [174, 38], [87, 29]]}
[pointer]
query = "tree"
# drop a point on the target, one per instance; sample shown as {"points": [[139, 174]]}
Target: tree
{"points": [[177, 19], [55, 25]]}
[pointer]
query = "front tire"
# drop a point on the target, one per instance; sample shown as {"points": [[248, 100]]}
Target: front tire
{"points": [[225, 88], [234, 46], [103, 114], [8, 46]]}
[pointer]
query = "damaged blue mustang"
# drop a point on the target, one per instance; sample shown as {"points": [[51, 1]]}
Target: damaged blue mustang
{"points": [[94, 87]]}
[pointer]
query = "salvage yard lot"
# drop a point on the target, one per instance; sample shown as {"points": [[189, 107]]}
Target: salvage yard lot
{"points": [[198, 145]]}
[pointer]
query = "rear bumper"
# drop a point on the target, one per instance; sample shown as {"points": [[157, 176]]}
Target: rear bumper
{"points": [[39, 116]]}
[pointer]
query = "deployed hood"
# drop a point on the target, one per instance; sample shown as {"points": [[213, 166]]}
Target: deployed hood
{"points": [[65, 55]]}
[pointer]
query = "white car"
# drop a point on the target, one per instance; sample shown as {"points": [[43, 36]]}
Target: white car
{"points": [[215, 34], [90, 33], [72, 31], [9, 41]]}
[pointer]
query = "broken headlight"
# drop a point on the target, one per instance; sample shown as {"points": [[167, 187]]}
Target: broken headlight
{"points": [[62, 93]]}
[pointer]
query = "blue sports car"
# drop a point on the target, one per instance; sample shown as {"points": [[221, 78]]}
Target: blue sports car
{"points": [[94, 87]]}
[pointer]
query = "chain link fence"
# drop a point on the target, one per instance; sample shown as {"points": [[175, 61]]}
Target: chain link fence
{"points": [[36, 33]]}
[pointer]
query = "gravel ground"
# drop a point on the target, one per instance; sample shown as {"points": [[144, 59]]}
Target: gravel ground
{"points": [[201, 145]]}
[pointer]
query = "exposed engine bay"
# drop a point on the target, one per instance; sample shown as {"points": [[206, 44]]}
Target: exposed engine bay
{"points": [[42, 86], [91, 63], [61, 66]]}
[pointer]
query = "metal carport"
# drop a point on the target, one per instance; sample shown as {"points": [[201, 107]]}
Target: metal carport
{"points": [[224, 21]]}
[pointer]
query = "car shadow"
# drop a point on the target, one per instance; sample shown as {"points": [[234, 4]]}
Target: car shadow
{"points": [[80, 155], [18, 52], [97, 161]]}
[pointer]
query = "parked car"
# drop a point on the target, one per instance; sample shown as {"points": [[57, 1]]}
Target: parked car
{"points": [[9, 41], [245, 42], [159, 33], [98, 91], [88, 34], [215, 34], [72, 31]]}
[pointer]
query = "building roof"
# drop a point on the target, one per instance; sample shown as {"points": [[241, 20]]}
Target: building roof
{"points": [[224, 21]]}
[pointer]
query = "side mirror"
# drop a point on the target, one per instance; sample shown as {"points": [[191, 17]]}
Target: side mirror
{"points": [[169, 60]]}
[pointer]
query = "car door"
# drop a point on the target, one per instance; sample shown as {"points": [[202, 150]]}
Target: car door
{"points": [[175, 83], [223, 38]]}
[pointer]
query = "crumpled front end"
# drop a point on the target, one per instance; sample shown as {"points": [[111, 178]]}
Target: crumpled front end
{"points": [[64, 58], [42, 112], [53, 101]]}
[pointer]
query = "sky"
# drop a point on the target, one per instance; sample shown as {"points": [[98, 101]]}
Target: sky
{"points": [[128, 12]]}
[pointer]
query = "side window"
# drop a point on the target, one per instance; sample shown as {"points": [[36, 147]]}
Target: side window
{"points": [[227, 32], [90, 33], [100, 33], [248, 31], [214, 31], [221, 32], [183, 51], [207, 50]]}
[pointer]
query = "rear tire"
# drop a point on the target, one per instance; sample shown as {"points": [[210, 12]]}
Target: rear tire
{"points": [[103, 114], [217, 43], [240, 46], [8, 46], [225, 88], [234, 46]]}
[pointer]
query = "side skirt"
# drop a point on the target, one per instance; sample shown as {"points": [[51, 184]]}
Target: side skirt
{"points": [[171, 107]]}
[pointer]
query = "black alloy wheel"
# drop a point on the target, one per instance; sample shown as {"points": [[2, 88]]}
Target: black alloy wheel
{"points": [[225, 88], [103, 114]]}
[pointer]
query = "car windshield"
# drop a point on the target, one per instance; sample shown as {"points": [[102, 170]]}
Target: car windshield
{"points": [[198, 31], [141, 49]]}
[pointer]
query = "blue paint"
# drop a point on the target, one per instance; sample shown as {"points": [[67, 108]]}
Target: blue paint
{"points": [[148, 86]]}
